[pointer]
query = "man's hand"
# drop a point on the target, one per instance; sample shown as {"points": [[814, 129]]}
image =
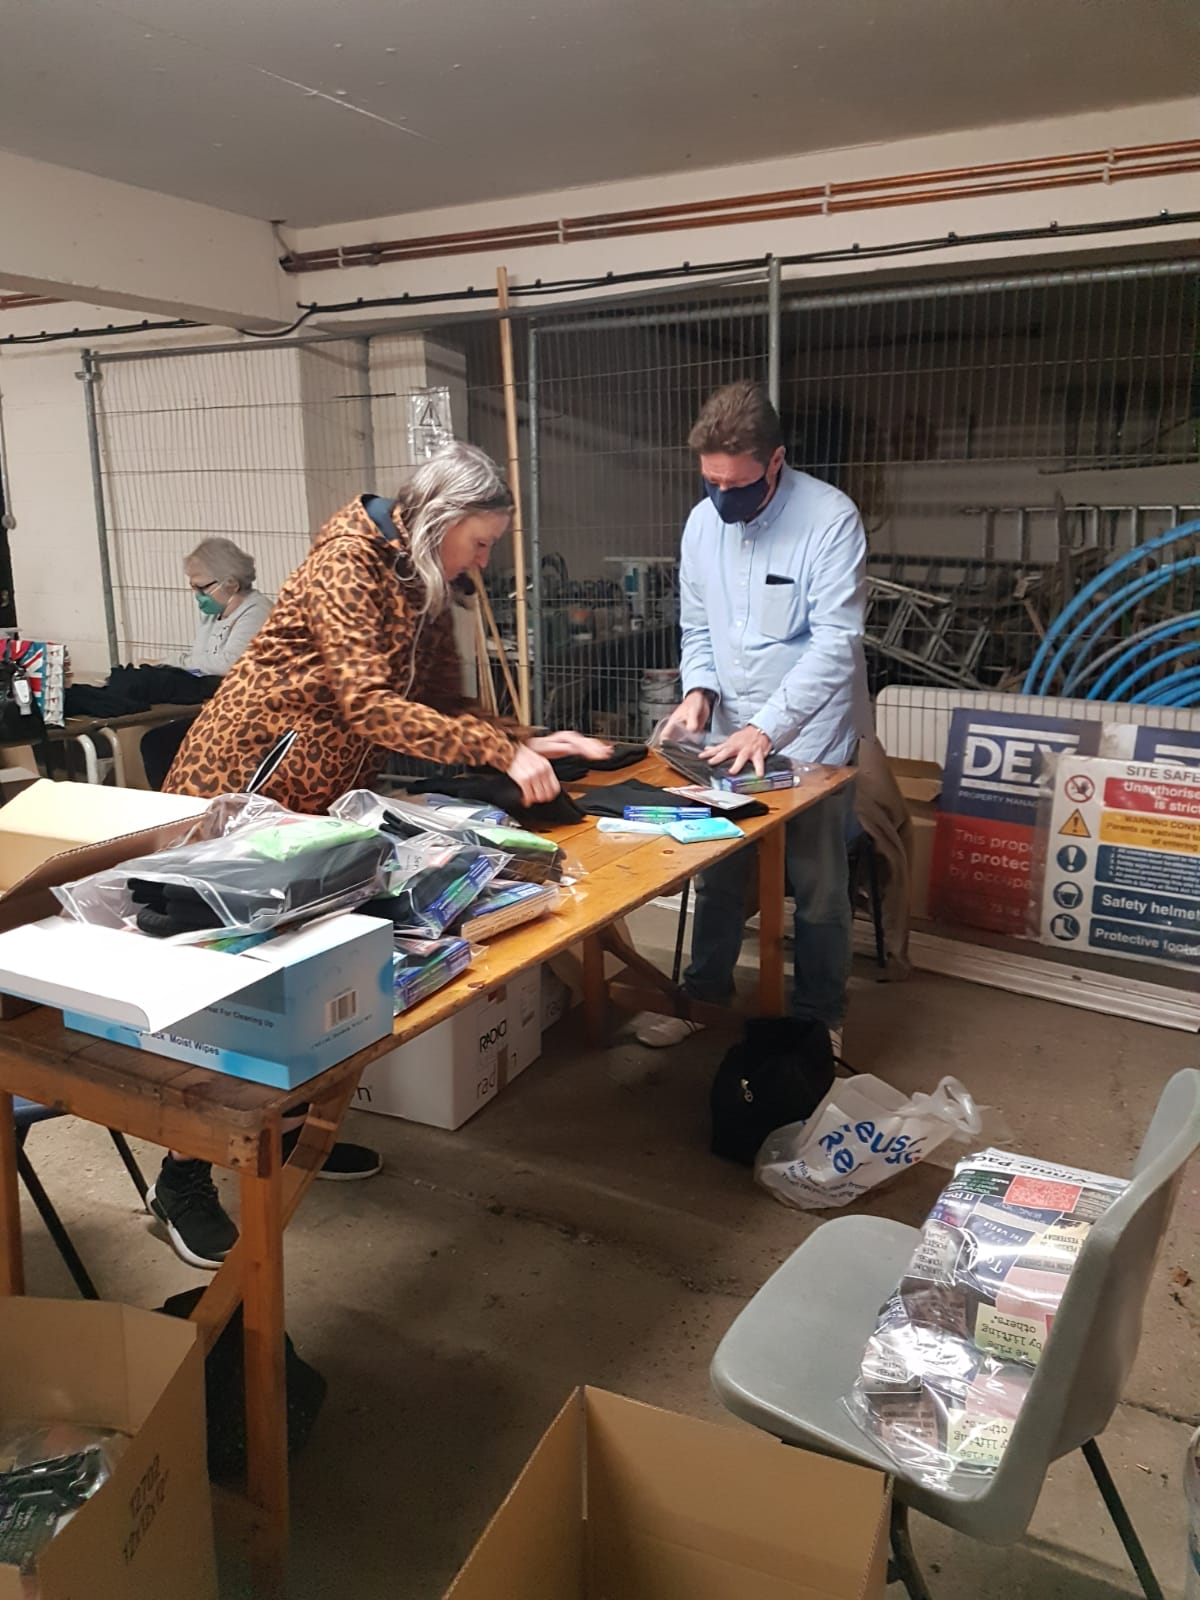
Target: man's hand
{"points": [[747, 745], [691, 716], [571, 744]]}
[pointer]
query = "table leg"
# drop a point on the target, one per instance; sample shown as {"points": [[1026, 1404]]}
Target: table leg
{"points": [[12, 1261], [266, 1391], [595, 992], [771, 875]]}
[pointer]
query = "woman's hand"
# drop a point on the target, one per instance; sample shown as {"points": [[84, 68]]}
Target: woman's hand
{"points": [[533, 775], [571, 744]]}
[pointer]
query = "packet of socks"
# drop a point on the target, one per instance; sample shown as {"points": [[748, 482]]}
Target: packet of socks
{"points": [[247, 882], [421, 967], [503, 906], [531, 858]]}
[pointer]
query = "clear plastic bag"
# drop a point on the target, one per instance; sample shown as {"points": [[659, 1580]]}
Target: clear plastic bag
{"points": [[683, 752], [431, 880], [420, 967], [259, 875], [47, 1471], [862, 1134], [947, 1369], [503, 906], [530, 857]]}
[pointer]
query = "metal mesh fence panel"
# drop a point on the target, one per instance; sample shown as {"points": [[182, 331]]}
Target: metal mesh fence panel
{"points": [[617, 394], [1002, 438]]}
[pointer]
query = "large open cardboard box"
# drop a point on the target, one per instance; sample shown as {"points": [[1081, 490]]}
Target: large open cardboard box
{"points": [[147, 1533], [621, 1501], [53, 833]]}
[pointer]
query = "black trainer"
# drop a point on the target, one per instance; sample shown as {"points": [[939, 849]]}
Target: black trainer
{"points": [[184, 1199], [345, 1163]]}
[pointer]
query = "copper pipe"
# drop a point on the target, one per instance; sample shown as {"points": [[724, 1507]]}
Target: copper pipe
{"points": [[1045, 172], [18, 302]]}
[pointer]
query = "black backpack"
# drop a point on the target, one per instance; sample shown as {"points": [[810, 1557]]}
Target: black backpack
{"points": [[779, 1073]]}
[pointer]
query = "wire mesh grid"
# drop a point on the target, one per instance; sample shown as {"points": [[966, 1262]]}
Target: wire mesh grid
{"points": [[1002, 441], [1001, 438], [617, 394]]}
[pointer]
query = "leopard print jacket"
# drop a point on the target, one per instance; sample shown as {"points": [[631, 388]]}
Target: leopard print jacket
{"points": [[348, 664]]}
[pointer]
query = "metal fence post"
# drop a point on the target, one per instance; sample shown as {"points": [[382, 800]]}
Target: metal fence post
{"points": [[773, 319], [535, 531], [90, 377]]}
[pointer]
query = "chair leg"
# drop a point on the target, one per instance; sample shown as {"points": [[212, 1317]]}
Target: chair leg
{"points": [[1125, 1529], [130, 1160], [54, 1227], [903, 1568]]}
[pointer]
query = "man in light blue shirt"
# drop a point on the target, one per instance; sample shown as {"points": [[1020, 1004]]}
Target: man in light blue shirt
{"points": [[772, 591]]}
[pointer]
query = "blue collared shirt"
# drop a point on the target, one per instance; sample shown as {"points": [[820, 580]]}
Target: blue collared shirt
{"points": [[771, 613]]}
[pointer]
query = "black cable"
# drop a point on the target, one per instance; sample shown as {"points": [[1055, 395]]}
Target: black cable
{"points": [[101, 333], [686, 270], [279, 333]]}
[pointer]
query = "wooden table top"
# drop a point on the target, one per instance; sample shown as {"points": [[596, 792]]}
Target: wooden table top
{"points": [[147, 1095]]}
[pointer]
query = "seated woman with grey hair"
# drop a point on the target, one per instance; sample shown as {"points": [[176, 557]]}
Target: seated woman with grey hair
{"points": [[221, 576], [232, 611]]}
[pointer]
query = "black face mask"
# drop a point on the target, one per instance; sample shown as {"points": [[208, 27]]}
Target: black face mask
{"points": [[738, 505]]}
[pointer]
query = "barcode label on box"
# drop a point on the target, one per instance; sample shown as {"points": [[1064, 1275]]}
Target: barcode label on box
{"points": [[340, 1009]]}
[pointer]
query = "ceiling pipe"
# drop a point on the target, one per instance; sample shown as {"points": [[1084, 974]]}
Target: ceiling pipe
{"points": [[864, 194]]}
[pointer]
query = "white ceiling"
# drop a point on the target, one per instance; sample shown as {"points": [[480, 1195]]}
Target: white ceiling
{"points": [[317, 111]]}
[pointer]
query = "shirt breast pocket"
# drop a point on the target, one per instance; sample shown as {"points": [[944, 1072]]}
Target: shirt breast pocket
{"points": [[780, 610]]}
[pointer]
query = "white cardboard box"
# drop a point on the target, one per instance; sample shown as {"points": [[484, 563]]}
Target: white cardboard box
{"points": [[448, 1074], [278, 1013]]}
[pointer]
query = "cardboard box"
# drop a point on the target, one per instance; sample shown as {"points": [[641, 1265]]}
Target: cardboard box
{"points": [[624, 1502], [448, 1074], [920, 782], [53, 833], [148, 1532], [278, 1013], [557, 997]]}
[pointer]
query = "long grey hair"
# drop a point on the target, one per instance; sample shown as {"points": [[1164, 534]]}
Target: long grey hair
{"points": [[459, 481]]}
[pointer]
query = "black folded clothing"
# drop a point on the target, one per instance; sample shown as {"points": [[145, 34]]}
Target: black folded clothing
{"points": [[624, 755], [225, 884], [610, 799], [488, 786], [688, 761]]}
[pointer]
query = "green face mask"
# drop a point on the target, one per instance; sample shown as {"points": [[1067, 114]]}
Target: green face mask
{"points": [[208, 606]]}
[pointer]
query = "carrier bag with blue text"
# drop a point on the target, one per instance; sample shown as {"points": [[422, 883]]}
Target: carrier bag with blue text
{"points": [[863, 1133]]}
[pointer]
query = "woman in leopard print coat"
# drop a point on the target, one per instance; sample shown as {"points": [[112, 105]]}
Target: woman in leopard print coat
{"points": [[358, 658]]}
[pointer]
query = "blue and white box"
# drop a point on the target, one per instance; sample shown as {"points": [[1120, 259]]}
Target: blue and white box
{"points": [[277, 1013]]}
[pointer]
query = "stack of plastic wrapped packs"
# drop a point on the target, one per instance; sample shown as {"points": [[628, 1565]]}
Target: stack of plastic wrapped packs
{"points": [[948, 1367]]}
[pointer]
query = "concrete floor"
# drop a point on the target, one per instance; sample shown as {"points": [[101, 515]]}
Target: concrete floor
{"points": [[578, 1231]]}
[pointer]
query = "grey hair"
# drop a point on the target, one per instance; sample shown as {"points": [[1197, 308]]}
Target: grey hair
{"points": [[227, 562], [459, 481]]}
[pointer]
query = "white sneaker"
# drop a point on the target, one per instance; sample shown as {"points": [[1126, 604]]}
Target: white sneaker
{"points": [[659, 1032]]}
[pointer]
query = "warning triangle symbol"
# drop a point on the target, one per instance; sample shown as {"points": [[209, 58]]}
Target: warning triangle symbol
{"points": [[1075, 827]]}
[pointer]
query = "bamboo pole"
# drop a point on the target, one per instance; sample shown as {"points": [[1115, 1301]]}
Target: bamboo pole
{"points": [[514, 482], [483, 667], [485, 611]]}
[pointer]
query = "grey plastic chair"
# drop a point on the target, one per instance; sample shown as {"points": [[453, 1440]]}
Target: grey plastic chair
{"points": [[795, 1351]]}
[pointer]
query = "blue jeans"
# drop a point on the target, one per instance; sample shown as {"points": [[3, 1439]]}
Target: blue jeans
{"points": [[817, 872]]}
